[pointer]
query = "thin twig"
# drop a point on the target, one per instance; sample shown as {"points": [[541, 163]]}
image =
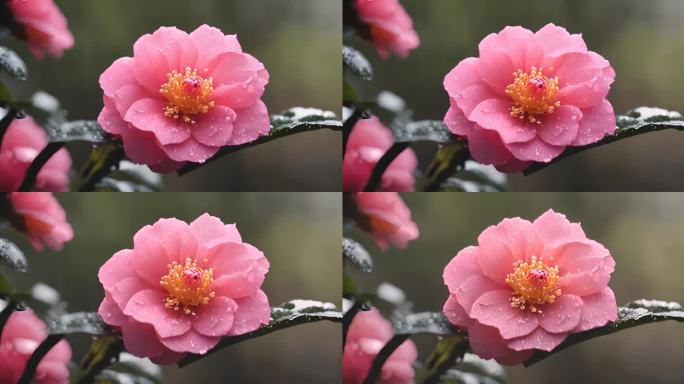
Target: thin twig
{"points": [[376, 176], [6, 313], [37, 356], [6, 121], [382, 357], [37, 164]]}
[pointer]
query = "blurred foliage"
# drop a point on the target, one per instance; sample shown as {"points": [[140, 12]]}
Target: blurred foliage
{"points": [[644, 41], [299, 233], [297, 40], [642, 231]]}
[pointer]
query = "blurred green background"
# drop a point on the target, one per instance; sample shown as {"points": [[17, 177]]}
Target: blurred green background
{"points": [[297, 40], [643, 40], [642, 231], [298, 233]]}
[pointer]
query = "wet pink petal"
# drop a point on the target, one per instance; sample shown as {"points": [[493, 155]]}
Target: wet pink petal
{"points": [[44, 27], [505, 314], [161, 126], [389, 25], [510, 134], [44, 220], [389, 219], [183, 287]]}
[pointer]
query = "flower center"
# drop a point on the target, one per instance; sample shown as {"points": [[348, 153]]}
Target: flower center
{"points": [[188, 94], [534, 284], [533, 94], [188, 286]]}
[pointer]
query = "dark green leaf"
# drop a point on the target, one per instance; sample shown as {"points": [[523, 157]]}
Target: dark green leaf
{"points": [[12, 256], [80, 130], [348, 93], [289, 314], [13, 64], [348, 285], [453, 376], [80, 322], [357, 255], [634, 313], [635, 122], [5, 285], [293, 121], [139, 366], [140, 174], [5, 94], [488, 368], [357, 63], [425, 130], [476, 177], [434, 323]]}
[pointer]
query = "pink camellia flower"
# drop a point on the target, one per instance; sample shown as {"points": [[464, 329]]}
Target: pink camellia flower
{"points": [[390, 26], [529, 96], [182, 97], [22, 334], [367, 334], [387, 217], [182, 287], [368, 142], [43, 26], [527, 286], [43, 219], [23, 141]]}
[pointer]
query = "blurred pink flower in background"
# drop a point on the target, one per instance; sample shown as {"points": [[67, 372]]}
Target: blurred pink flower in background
{"points": [[368, 141], [182, 97], [387, 217], [390, 26], [182, 287], [22, 334], [367, 334], [23, 141], [529, 96], [43, 219], [527, 286], [43, 26]]}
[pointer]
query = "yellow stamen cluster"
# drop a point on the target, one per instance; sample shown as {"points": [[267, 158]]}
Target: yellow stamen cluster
{"points": [[188, 286], [534, 284], [188, 94], [533, 94]]}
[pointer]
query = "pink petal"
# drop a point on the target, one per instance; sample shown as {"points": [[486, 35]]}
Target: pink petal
{"points": [[471, 97], [561, 127], [515, 357], [486, 147], [215, 128], [597, 122], [141, 340], [512, 166], [150, 67], [142, 147], [556, 40], [111, 313], [504, 53], [128, 95], [239, 269], [251, 122], [216, 317], [192, 342], [211, 42], [455, 312], [598, 310], [239, 79], [127, 288], [210, 231], [190, 150], [110, 119], [578, 257], [463, 76], [495, 115], [562, 315], [535, 150], [168, 357], [51, 372], [538, 339], [116, 269], [148, 115], [594, 279], [486, 341], [557, 230], [494, 309], [474, 287], [456, 121], [148, 307], [253, 312], [117, 76], [60, 353], [505, 243], [460, 268]]}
